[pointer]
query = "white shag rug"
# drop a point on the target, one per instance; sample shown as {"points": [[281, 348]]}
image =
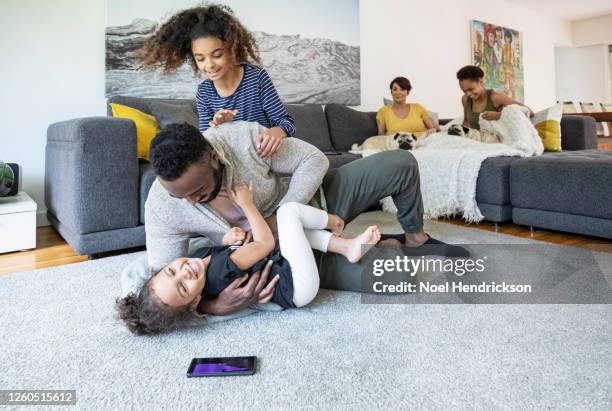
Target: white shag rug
{"points": [[59, 332]]}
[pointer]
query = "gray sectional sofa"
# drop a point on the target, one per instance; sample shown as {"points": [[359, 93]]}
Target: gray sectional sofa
{"points": [[95, 187]]}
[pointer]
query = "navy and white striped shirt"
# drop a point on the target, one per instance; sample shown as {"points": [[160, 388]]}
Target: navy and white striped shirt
{"points": [[255, 99]]}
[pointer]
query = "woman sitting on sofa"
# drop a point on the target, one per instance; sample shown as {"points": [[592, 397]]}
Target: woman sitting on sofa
{"points": [[477, 100], [402, 116], [219, 47]]}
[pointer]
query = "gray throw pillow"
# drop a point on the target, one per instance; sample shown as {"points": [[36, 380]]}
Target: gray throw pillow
{"points": [[311, 125], [348, 126], [169, 113]]}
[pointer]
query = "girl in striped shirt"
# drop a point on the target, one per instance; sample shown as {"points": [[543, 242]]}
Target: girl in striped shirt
{"points": [[217, 45]]}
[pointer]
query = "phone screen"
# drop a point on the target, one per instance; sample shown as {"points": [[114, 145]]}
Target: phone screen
{"points": [[208, 367]]}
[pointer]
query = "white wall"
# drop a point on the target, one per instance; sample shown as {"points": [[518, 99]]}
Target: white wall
{"points": [[52, 69], [428, 41], [583, 74], [596, 30], [52, 65]]}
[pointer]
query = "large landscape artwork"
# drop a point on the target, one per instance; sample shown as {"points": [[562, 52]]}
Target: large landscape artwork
{"points": [[310, 49], [498, 52]]}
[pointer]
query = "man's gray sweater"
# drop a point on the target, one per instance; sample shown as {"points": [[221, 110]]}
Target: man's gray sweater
{"points": [[170, 221]]}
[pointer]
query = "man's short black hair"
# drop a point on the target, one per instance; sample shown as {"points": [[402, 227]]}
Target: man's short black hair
{"points": [[175, 148]]}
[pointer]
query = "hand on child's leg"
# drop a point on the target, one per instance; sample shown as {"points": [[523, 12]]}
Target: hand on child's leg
{"points": [[335, 224]]}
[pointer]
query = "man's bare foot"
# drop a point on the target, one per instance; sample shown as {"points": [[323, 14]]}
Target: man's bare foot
{"points": [[362, 243], [389, 242], [335, 224]]}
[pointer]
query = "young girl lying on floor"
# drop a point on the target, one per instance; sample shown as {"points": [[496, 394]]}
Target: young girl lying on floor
{"points": [[171, 297]]}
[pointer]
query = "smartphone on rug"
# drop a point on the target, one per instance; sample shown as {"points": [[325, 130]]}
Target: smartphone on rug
{"points": [[221, 366]]}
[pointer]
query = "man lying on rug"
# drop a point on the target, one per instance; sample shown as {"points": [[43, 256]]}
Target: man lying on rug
{"points": [[190, 196]]}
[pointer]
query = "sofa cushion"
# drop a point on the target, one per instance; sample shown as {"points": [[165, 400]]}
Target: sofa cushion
{"points": [[578, 133], [493, 184], [166, 113], [348, 126], [311, 125], [142, 104], [147, 177], [570, 182]]}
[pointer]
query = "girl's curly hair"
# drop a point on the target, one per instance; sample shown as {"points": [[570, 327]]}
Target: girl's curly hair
{"points": [[170, 46], [144, 313]]}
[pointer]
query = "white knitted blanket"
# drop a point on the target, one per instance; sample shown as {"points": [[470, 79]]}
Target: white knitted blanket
{"points": [[449, 165]]}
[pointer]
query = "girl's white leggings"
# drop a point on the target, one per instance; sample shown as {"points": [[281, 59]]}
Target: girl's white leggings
{"points": [[300, 229]]}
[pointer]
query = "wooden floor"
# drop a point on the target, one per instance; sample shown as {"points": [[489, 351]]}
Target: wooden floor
{"points": [[604, 143], [52, 250], [549, 236]]}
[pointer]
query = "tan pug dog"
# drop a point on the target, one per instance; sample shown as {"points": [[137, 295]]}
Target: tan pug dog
{"points": [[401, 141]]}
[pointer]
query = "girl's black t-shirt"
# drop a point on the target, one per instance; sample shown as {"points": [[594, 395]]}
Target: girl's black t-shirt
{"points": [[222, 271]]}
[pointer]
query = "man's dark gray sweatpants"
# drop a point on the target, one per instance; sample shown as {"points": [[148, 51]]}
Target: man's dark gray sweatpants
{"points": [[354, 188]]}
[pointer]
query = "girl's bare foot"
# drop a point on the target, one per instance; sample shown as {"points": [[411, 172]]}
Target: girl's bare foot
{"points": [[335, 224], [361, 244]]}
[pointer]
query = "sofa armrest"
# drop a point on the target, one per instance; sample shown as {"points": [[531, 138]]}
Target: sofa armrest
{"points": [[578, 133], [91, 174]]}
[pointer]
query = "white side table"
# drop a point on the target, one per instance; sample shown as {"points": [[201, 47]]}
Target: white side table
{"points": [[17, 223]]}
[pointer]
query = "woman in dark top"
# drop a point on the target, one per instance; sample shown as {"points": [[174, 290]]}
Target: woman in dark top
{"points": [[477, 100], [171, 295]]}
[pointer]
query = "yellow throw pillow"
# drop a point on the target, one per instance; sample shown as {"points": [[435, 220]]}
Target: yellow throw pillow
{"points": [[146, 126], [548, 124]]}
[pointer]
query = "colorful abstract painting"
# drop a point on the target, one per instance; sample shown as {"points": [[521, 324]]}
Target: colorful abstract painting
{"points": [[498, 51]]}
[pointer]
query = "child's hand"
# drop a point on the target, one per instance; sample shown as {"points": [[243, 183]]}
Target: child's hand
{"points": [[243, 195], [223, 116], [268, 143], [335, 224], [236, 236]]}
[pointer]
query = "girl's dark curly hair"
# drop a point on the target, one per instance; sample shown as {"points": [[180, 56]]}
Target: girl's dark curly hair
{"points": [[145, 313], [170, 46]]}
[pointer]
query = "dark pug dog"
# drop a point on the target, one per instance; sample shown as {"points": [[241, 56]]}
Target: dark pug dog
{"points": [[458, 130], [473, 134], [401, 141]]}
